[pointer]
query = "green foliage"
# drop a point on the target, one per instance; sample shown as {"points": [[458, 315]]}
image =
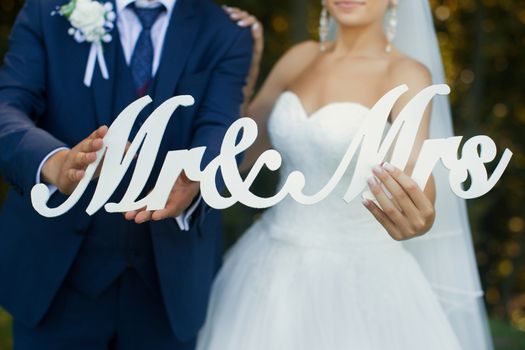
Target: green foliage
{"points": [[67, 9], [5, 331], [505, 336]]}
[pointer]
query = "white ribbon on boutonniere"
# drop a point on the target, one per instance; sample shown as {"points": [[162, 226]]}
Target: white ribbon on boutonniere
{"points": [[92, 22]]}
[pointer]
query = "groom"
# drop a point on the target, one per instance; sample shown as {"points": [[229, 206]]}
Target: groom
{"points": [[108, 281]]}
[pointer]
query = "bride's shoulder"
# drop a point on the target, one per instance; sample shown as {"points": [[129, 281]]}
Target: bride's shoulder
{"points": [[310, 47], [301, 53], [293, 62], [406, 70]]}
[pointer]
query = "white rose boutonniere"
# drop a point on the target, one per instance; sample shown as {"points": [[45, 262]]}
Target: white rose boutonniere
{"points": [[92, 22]]}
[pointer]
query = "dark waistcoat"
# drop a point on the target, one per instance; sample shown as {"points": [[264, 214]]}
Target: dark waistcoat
{"points": [[113, 244]]}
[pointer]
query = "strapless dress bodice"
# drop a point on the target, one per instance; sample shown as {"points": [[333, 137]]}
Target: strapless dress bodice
{"points": [[315, 144]]}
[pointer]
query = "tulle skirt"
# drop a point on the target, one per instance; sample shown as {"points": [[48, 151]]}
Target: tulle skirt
{"points": [[275, 294]]}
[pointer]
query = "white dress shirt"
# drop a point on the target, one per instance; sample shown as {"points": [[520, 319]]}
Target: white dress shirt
{"points": [[129, 28]]}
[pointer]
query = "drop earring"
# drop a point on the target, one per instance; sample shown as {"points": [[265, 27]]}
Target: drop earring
{"points": [[323, 26], [391, 27]]}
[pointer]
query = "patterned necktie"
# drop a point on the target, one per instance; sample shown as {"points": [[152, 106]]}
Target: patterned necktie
{"points": [[142, 59]]}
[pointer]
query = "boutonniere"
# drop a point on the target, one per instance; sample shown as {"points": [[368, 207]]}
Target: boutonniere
{"points": [[92, 22]]}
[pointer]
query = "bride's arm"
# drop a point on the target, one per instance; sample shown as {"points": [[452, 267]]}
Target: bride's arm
{"points": [[285, 71], [417, 77], [410, 212]]}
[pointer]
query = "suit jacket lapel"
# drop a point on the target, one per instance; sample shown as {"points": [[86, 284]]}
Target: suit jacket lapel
{"points": [[178, 43], [103, 89]]}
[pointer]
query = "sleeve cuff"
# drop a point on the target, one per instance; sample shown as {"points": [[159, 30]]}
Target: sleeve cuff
{"points": [[52, 188], [183, 220]]}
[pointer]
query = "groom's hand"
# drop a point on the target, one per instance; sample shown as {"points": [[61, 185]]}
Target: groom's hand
{"points": [[66, 168], [181, 196]]}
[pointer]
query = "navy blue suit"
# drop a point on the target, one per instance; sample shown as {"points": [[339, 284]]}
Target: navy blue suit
{"points": [[44, 105]]}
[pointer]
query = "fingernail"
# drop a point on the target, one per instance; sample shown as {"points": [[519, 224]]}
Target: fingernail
{"points": [[234, 15], [372, 181], [388, 167], [255, 26], [377, 169], [240, 23]]}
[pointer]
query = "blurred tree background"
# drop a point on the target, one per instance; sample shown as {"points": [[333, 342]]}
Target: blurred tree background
{"points": [[483, 45]]}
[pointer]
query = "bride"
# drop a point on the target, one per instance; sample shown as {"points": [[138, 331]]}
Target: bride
{"points": [[340, 275]]}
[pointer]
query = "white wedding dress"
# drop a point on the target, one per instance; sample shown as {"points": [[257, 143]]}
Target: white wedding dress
{"points": [[325, 276]]}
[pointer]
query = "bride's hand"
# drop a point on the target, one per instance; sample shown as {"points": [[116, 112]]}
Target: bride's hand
{"points": [[408, 213], [244, 19]]}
